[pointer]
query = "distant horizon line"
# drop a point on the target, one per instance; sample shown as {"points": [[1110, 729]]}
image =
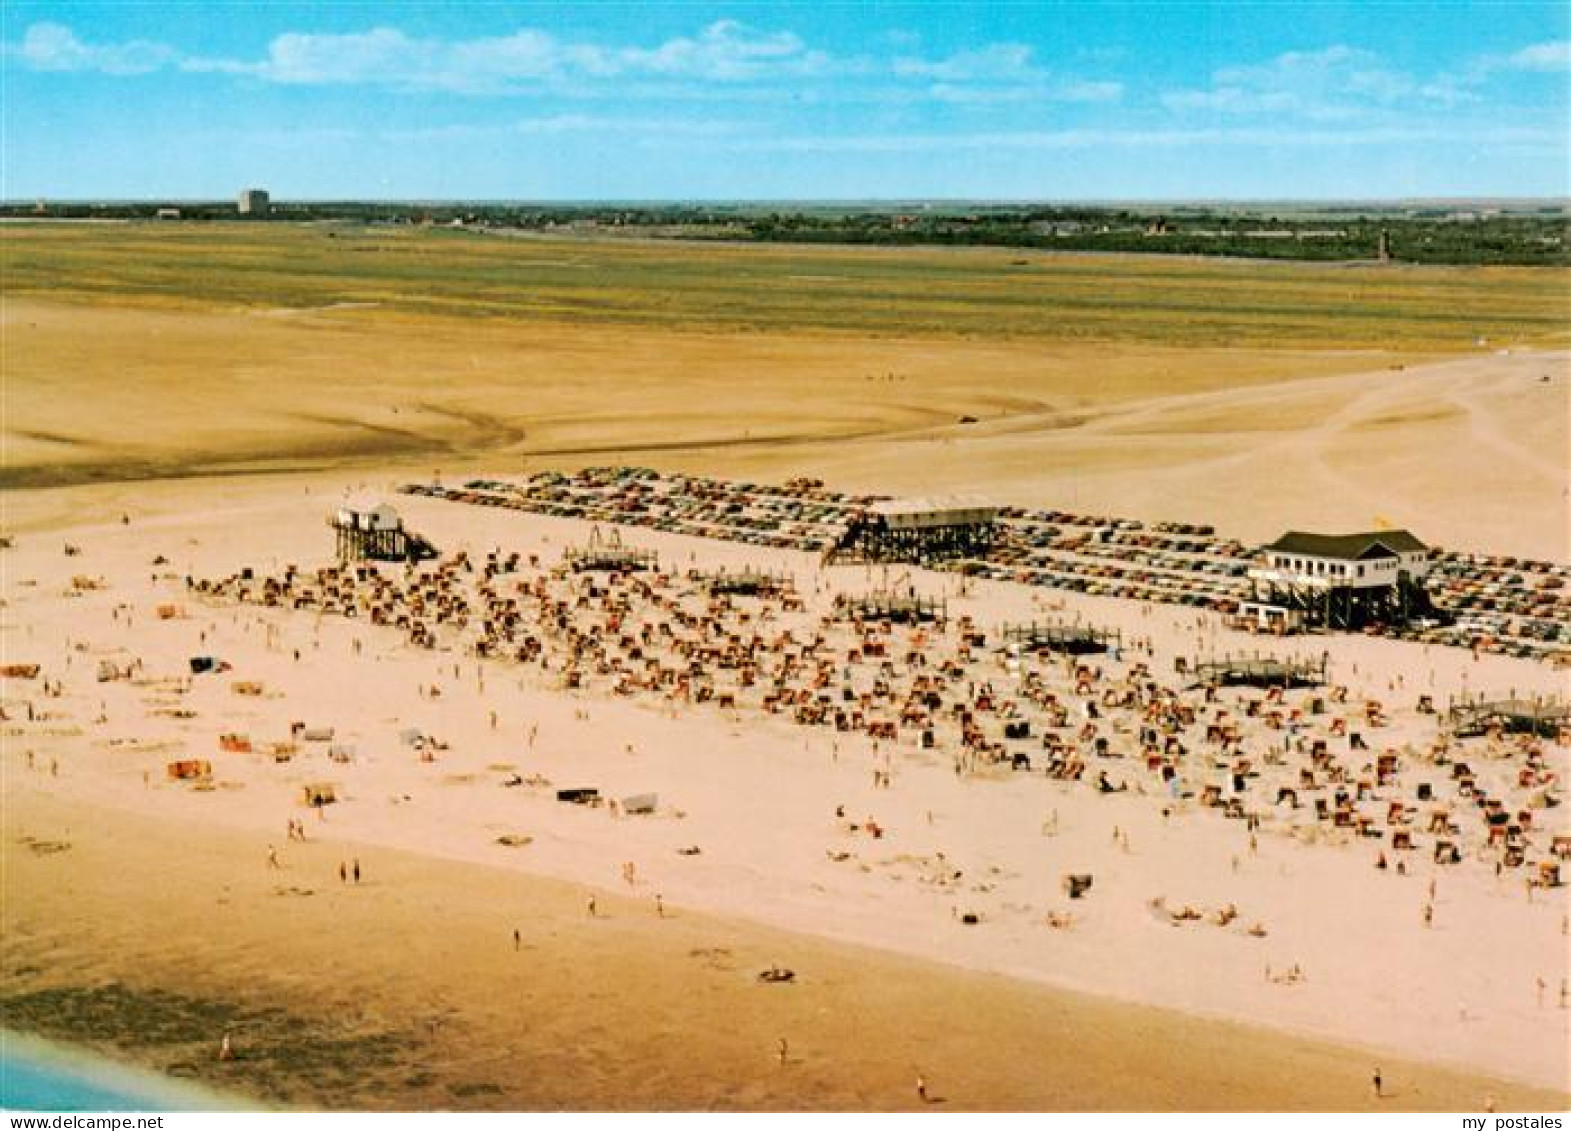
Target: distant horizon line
{"points": [[1474, 199]]}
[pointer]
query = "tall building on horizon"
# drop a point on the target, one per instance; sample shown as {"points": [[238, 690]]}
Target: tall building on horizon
{"points": [[255, 202]]}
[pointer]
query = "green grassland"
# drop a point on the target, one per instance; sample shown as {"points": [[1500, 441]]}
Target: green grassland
{"points": [[979, 293]]}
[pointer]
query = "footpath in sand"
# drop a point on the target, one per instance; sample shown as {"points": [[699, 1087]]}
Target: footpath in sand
{"points": [[799, 829]]}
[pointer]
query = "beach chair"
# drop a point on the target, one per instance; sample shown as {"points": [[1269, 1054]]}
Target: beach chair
{"points": [[1077, 884]]}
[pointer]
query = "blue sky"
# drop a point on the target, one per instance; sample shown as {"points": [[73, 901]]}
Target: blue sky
{"points": [[785, 100]]}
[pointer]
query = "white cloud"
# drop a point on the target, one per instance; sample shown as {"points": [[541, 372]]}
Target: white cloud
{"points": [[1342, 83], [568, 124], [1325, 85], [1337, 83], [1085, 91], [724, 52], [727, 51], [728, 56], [998, 62], [54, 47], [1554, 56], [379, 55], [1171, 138], [976, 94]]}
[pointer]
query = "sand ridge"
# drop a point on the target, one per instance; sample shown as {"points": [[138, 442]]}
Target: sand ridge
{"points": [[1253, 440]]}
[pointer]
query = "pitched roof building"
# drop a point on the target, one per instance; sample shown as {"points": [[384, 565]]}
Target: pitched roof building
{"points": [[1349, 547], [1339, 580]]}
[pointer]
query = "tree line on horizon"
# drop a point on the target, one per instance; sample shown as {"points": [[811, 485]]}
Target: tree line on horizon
{"points": [[1532, 234]]}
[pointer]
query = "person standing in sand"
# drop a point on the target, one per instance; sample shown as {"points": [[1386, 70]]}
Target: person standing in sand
{"points": [[784, 1051], [1379, 1086], [921, 1088]]}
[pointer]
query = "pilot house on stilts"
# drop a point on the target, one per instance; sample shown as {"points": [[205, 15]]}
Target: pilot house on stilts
{"points": [[918, 531], [1341, 582], [366, 528]]}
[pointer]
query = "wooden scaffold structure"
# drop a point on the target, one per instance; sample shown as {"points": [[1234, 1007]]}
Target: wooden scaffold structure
{"points": [[887, 604], [608, 554], [1475, 715], [1057, 636], [745, 583], [1260, 671]]}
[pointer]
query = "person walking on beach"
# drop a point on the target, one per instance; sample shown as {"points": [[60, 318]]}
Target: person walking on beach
{"points": [[518, 939], [784, 1051], [921, 1088], [660, 913], [1379, 1086], [225, 1049], [356, 871], [272, 857], [591, 906], [343, 872]]}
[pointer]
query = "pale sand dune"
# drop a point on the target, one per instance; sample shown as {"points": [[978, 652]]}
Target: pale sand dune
{"points": [[1468, 452]]}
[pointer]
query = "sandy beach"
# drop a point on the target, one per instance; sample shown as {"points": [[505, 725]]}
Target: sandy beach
{"points": [[781, 558], [462, 841], [1287, 890]]}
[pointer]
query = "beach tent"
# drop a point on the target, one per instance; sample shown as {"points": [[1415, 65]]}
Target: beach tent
{"points": [[186, 769], [234, 743], [640, 803]]}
